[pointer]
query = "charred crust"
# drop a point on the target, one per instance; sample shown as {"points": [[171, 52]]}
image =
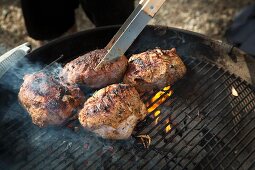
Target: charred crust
{"points": [[147, 76], [54, 100], [85, 73], [53, 105], [115, 91], [117, 103], [138, 61], [139, 80], [63, 92]]}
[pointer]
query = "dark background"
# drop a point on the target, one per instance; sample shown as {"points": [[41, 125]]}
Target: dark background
{"points": [[209, 17]]}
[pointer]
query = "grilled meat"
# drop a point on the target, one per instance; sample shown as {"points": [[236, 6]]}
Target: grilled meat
{"points": [[113, 112], [82, 70], [154, 69], [47, 100]]}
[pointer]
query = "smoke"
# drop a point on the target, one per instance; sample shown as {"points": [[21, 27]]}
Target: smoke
{"points": [[28, 143], [13, 79]]}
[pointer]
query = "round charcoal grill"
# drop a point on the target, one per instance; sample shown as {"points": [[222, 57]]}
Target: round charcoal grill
{"points": [[206, 123]]}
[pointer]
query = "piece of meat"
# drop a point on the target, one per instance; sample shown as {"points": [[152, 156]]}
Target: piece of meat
{"points": [[48, 101], [113, 112], [82, 70], [154, 69]]}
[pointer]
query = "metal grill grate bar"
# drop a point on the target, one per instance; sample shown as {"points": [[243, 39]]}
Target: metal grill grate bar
{"points": [[161, 121], [200, 130], [33, 163], [218, 78], [44, 161], [218, 113], [213, 135], [10, 122], [208, 77], [231, 141], [193, 68], [20, 128], [150, 114], [74, 152], [220, 132], [209, 163], [11, 129], [246, 158], [167, 125], [9, 125], [188, 105], [77, 160], [31, 159], [209, 135], [200, 69], [13, 125], [228, 133], [177, 85], [62, 152], [179, 123], [212, 128], [37, 137], [96, 164], [79, 166], [63, 160], [68, 122], [27, 125], [8, 144], [244, 148], [252, 166], [180, 120]]}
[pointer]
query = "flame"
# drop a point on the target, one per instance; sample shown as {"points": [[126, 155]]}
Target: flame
{"points": [[161, 100], [168, 128], [165, 95], [156, 114]]}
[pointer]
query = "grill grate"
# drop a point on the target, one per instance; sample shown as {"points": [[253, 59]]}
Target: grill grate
{"points": [[210, 129]]}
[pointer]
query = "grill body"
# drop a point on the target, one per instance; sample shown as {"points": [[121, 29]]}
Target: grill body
{"points": [[210, 127]]}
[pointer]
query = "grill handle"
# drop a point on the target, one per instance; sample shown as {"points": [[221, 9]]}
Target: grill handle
{"points": [[10, 58]]}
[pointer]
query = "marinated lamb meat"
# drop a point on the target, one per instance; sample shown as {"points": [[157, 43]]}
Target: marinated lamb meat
{"points": [[82, 70], [154, 69], [48, 101], [113, 112]]}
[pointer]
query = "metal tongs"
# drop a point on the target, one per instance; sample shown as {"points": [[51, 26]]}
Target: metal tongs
{"points": [[130, 30]]}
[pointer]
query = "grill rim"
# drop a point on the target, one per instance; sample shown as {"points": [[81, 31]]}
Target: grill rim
{"points": [[199, 70], [224, 50], [217, 66]]}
